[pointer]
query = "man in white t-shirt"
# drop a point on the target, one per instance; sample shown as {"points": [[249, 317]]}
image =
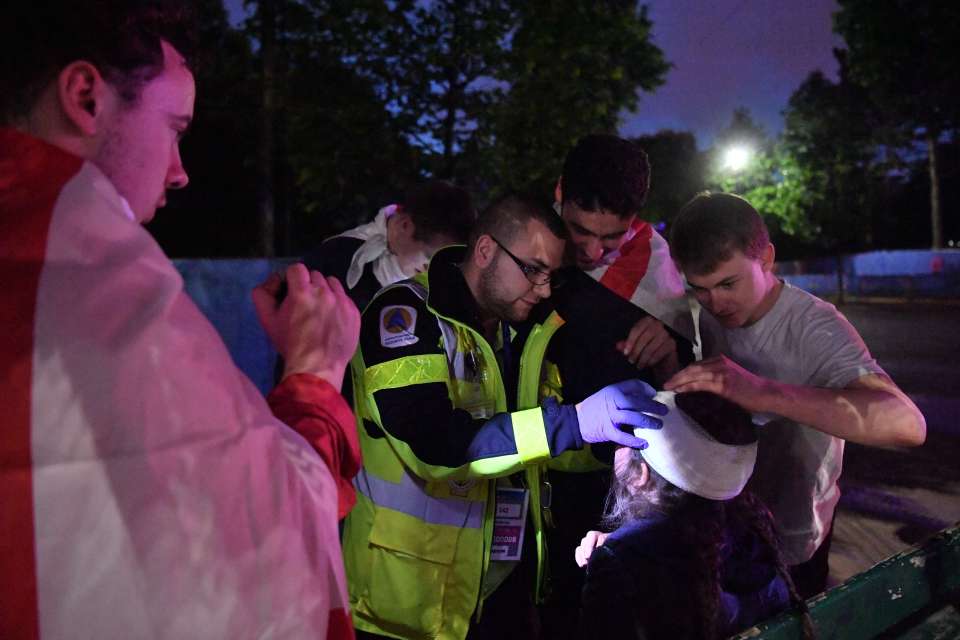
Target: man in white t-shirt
{"points": [[792, 358]]}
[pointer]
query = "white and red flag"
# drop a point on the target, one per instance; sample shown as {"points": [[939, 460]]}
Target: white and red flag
{"points": [[146, 490], [643, 273]]}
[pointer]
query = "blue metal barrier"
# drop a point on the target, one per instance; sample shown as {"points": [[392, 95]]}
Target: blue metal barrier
{"points": [[221, 288], [883, 274]]}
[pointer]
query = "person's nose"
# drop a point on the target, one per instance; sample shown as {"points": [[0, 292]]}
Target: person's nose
{"points": [[594, 249], [177, 177], [720, 300], [705, 298], [543, 290]]}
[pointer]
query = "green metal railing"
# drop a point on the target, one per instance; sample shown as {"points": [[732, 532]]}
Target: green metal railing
{"points": [[912, 595]]}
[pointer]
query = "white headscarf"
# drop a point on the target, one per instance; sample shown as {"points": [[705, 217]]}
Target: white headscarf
{"points": [[387, 267]]}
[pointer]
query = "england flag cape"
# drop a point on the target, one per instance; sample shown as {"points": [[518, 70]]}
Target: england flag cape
{"points": [[146, 491], [643, 273]]}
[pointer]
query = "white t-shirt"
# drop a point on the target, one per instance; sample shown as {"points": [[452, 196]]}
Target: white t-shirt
{"points": [[802, 340]]}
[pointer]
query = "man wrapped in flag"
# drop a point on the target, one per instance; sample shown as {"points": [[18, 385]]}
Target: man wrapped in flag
{"points": [[146, 489], [626, 316]]}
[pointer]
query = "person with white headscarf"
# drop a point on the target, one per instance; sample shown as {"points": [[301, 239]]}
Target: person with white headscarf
{"points": [[398, 243], [692, 554]]}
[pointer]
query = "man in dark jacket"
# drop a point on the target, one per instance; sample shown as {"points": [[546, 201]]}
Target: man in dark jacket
{"points": [[626, 316]]}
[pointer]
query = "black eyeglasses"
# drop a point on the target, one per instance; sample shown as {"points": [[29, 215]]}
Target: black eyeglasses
{"points": [[530, 272]]}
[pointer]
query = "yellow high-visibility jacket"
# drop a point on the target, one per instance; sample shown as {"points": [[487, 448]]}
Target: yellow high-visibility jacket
{"points": [[436, 432]]}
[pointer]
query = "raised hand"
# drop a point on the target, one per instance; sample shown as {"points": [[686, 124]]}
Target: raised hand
{"points": [[315, 328]]}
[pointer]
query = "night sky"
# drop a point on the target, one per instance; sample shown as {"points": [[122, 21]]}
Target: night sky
{"points": [[731, 53], [726, 54]]}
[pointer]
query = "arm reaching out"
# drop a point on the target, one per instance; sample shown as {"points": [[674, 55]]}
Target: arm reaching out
{"points": [[871, 410]]}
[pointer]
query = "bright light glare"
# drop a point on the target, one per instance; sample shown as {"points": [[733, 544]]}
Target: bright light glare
{"points": [[736, 158]]}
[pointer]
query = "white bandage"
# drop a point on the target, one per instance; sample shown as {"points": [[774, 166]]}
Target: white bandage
{"points": [[687, 456]]}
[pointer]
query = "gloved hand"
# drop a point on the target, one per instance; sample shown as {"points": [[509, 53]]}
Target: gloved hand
{"points": [[625, 403]]}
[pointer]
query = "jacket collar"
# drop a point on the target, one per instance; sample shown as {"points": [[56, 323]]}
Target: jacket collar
{"points": [[447, 290]]}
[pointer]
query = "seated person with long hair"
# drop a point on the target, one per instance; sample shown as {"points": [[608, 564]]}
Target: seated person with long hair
{"points": [[692, 555]]}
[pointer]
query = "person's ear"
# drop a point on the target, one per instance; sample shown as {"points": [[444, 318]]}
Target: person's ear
{"points": [[637, 483], [768, 257], [483, 251], [405, 224], [84, 96], [644, 474], [558, 191], [400, 230]]}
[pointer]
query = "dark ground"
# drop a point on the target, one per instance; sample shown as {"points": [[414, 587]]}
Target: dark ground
{"points": [[895, 498]]}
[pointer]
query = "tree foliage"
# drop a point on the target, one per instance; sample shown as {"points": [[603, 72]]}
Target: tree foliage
{"points": [[338, 156], [678, 172], [572, 68], [904, 53], [434, 65], [829, 144], [494, 92], [816, 182], [344, 154], [334, 107]]}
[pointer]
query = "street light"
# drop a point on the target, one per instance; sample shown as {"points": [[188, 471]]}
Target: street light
{"points": [[736, 157]]}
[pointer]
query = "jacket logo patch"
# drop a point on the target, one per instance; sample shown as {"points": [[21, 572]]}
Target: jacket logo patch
{"points": [[397, 326]]}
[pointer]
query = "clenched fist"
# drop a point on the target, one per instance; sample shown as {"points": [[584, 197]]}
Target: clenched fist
{"points": [[315, 328]]}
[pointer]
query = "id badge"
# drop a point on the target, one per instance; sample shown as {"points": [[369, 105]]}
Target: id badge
{"points": [[509, 523], [473, 399]]}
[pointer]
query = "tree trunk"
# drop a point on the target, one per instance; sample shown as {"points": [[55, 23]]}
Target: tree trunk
{"points": [[936, 222], [451, 100], [841, 284], [449, 128], [265, 152]]}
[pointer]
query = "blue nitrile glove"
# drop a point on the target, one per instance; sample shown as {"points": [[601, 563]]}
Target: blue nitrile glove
{"points": [[624, 403]]}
